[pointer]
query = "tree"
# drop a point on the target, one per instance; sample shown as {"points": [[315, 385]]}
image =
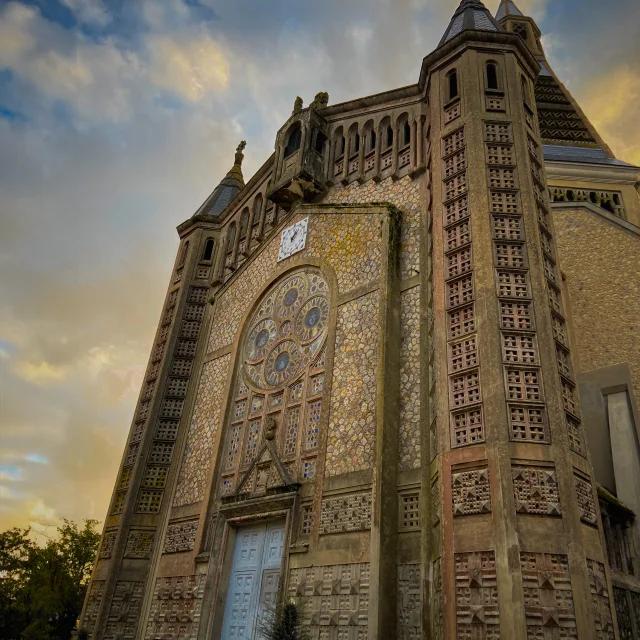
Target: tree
{"points": [[282, 623], [42, 588]]}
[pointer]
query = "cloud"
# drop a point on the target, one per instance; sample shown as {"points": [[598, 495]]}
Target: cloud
{"points": [[92, 12]]}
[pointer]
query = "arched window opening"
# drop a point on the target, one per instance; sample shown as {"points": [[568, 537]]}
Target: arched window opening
{"points": [[244, 223], [183, 254], [452, 78], [340, 146], [207, 254], [355, 143], [492, 75], [231, 237], [293, 142], [389, 139], [406, 133], [521, 29], [526, 97], [372, 140], [320, 142], [280, 382]]}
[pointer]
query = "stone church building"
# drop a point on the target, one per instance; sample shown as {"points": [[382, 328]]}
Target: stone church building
{"points": [[396, 376]]}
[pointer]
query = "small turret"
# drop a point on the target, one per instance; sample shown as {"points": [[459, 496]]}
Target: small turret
{"points": [[470, 15]]}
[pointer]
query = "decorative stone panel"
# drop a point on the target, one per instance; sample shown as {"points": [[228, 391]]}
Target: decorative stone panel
{"points": [[471, 492], [94, 600], [203, 430], [477, 613], [600, 600], [124, 614], [139, 543], [176, 607], [535, 490], [548, 599], [409, 602], [350, 512], [180, 536], [352, 420], [108, 542], [334, 600], [586, 503], [409, 435], [627, 605]]}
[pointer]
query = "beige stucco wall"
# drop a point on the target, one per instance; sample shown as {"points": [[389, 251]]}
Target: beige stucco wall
{"points": [[601, 263]]}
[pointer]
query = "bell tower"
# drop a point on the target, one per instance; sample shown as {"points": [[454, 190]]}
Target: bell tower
{"points": [[516, 539]]}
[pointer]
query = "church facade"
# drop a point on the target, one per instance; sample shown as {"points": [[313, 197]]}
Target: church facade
{"points": [[396, 374]]}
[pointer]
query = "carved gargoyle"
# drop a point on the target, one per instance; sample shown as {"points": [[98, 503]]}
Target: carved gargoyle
{"points": [[270, 428], [297, 106], [320, 101]]}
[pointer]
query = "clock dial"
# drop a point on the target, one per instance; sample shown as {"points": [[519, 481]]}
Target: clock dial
{"points": [[293, 239]]}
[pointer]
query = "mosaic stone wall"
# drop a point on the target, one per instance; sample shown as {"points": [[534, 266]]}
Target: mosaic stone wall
{"points": [[409, 447], [351, 243], [334, 600], [351, 438], [404, 194], [203, 430]]}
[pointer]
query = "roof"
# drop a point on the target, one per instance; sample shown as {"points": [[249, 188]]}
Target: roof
{"points": [[507, 8], [229, 187], [562, 153], [472, 15]]}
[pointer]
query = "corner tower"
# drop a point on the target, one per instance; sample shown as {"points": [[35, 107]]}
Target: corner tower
{"points": [[516, 541]]}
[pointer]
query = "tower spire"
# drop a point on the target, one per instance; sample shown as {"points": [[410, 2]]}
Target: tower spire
{"points": [[507, 8], [470, 15]]}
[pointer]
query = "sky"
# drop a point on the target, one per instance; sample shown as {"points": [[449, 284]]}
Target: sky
{"points": [[119, 117]]}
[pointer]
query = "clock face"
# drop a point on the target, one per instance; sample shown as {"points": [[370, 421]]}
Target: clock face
{"points": [[293, 239]]}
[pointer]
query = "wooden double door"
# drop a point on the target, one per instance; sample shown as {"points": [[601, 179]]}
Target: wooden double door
{"points": [[254, 580]]}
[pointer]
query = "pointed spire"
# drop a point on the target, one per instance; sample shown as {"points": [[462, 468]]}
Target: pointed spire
{"points": [[470, 15], [228, 188], [507, 8]]}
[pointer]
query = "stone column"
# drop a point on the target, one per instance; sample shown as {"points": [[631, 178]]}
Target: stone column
{"points": [[376, 161], [347, 152], [361, 156]]}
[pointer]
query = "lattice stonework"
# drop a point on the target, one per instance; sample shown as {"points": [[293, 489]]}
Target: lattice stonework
{"points": [[586, 503], [139, 543], [477, 613], [471, 492], [350, 512], [125, 611], [409, 602], [601, 604], [548, 599], [108, 542], [535, 491], [281, 378], [180, 536], [176, 607], [464, 387], [333, 600]]}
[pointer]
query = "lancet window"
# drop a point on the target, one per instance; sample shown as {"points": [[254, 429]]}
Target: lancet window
{"points": [[281, 376]]}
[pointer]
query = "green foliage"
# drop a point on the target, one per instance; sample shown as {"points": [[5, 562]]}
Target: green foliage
{"points": [[283, 624], [42, 588]]}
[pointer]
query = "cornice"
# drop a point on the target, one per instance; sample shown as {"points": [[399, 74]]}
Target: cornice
{"points": [[578, 171]]}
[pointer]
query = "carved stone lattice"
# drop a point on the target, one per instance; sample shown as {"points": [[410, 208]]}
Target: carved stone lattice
{"points": [[139, 543], [346, 513], [586, 503], [623, 613], [477, 614], [125, 610], [94, 599], [180, 536], [600, 600], [436, 600], [333, 599], [536, 491], [108, 542], [176, 607], [409, 602], [471, 492], [548, 599]]}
